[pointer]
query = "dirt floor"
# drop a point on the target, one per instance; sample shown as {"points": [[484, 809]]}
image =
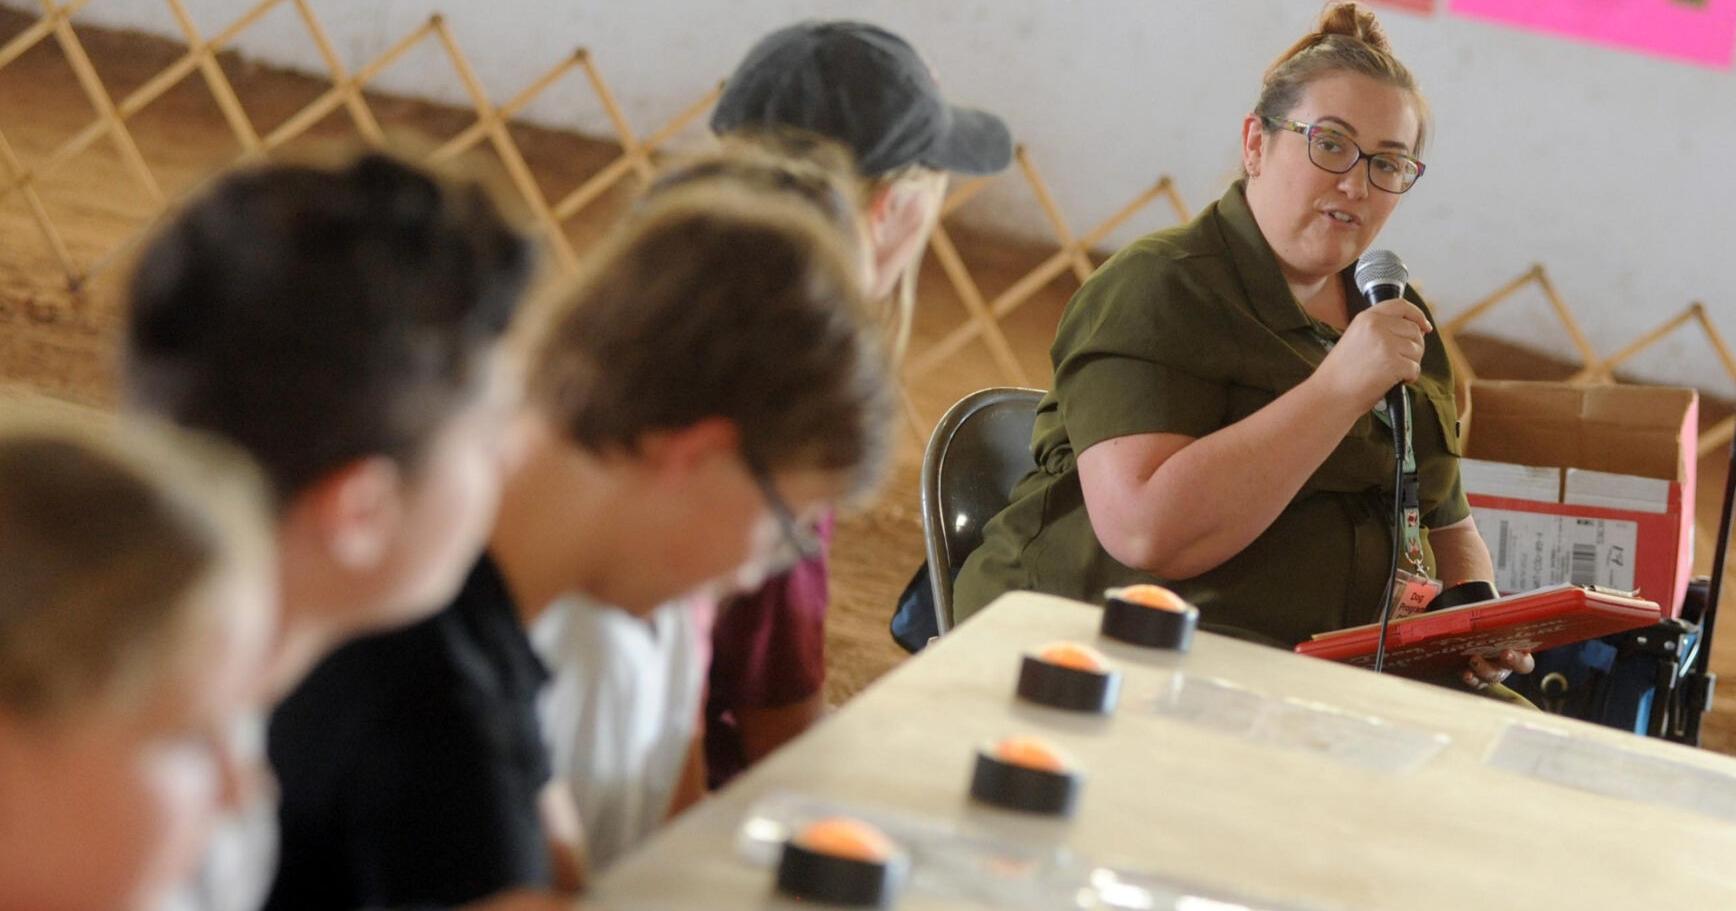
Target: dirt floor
{"points": [[60, 341]]}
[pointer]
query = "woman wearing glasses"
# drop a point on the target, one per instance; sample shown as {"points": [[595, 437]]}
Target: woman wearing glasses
{"points": [[1213, 419]]}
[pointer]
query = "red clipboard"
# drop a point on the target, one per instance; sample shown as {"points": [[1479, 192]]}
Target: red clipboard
{"points": [[1440, 642]]}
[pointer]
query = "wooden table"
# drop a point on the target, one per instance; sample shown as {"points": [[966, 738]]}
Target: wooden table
{"points": [[1178, 798]]}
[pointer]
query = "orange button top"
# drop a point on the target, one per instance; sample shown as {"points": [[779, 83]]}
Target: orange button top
{"points": [[1155, 596], [1072, 655], [1030, 752], [843, 837]]}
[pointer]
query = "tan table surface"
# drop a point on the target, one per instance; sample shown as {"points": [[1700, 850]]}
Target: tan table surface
{"points": [[1172, 797]]}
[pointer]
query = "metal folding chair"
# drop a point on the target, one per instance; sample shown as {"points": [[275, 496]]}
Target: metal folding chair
{"points": [[977, 453]]}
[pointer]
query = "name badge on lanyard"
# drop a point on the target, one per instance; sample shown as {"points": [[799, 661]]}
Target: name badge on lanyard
{"points": [[1412, 587]]}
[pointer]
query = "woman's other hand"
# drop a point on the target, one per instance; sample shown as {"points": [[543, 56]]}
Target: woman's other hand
{"points": [[1486, 672]]}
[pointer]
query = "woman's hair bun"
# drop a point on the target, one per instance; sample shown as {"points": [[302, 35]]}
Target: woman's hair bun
{"points": [[1352, 21]]}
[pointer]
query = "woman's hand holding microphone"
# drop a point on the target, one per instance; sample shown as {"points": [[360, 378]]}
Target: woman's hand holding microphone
{"points": [[1382, 347]]}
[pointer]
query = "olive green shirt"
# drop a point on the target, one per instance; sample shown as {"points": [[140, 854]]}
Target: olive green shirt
{"points": [[1187, 331]]}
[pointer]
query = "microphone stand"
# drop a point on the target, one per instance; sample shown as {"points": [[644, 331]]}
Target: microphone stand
{"points": [[1699, 683]]}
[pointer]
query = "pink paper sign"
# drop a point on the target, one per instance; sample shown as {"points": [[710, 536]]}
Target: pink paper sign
{"points": [[1416, 6], [1700, 31]]}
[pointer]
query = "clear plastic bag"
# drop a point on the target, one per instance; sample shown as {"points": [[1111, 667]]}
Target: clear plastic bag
{"points": [[1589, 765], [1366, 742], [945, 863], [973, 870]]}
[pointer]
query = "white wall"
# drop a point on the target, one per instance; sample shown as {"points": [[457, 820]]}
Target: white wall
{"points": [[1610, 168]]}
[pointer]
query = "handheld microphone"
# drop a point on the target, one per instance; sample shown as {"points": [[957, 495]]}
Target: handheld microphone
{"points": [[1381, 275]]}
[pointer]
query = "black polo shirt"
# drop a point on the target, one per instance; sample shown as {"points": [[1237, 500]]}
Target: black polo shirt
{"points": [[411, 763]]}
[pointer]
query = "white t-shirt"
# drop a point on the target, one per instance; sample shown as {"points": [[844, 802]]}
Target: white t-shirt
{"points": [[241, 858], [621, 710]]}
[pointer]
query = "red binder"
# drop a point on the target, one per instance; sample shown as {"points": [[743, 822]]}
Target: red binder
{"points": [[1440, 642]]}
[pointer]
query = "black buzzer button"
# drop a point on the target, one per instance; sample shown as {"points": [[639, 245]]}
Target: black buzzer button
{"points": [[1151, 616], [841, 861], [1075, 689], [1004, 782]]}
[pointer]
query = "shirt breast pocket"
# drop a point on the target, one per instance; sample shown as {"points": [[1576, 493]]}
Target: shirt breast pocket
{"points": [[1446, 409], [1438, 450]]}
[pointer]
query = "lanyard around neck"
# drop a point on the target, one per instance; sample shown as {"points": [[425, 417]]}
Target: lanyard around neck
{"points": [[1410, 495], [1410, 491]]}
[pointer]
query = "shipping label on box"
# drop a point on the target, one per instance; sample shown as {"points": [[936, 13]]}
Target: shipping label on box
{"points": [[1624, 514], [1532, 550]]}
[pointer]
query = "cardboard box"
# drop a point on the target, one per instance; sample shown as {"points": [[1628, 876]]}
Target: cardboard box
{"points": [[1621, 460]]}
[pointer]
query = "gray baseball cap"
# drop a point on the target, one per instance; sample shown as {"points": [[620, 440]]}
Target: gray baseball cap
{"points": [[865, 87]]}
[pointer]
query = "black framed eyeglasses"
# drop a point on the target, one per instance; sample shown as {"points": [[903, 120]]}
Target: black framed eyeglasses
{"points": [[1333, 151], [800, 537]]}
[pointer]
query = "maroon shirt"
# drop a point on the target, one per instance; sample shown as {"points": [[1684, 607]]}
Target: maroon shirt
{"points": [[768, 649]]}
